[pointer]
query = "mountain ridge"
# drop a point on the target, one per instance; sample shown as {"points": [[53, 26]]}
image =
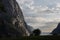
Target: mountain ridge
{"points": [[12, 21]]}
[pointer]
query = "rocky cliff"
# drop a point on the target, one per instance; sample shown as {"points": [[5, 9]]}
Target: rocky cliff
{"points": [[56, 31], [11, 19]]}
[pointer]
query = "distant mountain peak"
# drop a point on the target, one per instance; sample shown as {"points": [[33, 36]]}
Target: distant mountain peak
{"points": [[56, 30]]}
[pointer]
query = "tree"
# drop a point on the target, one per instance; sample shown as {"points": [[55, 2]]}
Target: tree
{"points": [[36, 32]]}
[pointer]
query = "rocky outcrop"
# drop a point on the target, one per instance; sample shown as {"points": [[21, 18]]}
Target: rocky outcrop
{"points": [[56, 31], [11, 19]]}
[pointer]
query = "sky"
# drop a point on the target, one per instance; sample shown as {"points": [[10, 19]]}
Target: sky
{"points": [[42, 14]]}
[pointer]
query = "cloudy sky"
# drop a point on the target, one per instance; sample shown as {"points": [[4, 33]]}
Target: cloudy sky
{"points": [[42, 14]]}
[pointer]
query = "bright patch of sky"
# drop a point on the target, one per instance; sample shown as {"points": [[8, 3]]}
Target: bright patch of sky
{"points": [[43, 14]]}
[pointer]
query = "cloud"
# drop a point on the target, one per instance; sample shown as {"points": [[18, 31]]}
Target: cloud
{"points": [[58, 5], [23, 1], [41, 9], [37, 19], [42, 19], [35, 25], [25, 4], [43, 14], [46, 25], [49, 26]]}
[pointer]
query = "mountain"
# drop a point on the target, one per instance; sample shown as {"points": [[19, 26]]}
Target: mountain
{"points": [[30, 29], [12, 21], [56, 31]]}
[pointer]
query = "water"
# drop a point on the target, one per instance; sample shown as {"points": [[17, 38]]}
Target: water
{"points": [[45, 33]]}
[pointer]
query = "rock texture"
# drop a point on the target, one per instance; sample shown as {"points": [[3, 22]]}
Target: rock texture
{"points": [[56, 31], [11, 19]]}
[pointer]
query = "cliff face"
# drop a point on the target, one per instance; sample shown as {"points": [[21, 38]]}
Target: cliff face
{"points": [[56, 31], [11, 19]]}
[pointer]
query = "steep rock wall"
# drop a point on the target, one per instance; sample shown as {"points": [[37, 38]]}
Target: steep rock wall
{"points": [[11, 19]]}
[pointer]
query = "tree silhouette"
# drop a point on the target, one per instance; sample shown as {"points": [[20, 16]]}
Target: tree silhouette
{"points": [[36, 32]]}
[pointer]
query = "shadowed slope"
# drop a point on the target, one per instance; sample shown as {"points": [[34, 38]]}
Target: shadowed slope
{"points": [[11, 19]]}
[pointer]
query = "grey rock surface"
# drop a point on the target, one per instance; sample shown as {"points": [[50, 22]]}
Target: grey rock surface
{"points": [[11, 19]]}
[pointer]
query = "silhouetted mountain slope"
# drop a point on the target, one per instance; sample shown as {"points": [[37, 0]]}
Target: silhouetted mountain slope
{"points": [[11, 19], [56, 31]]}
